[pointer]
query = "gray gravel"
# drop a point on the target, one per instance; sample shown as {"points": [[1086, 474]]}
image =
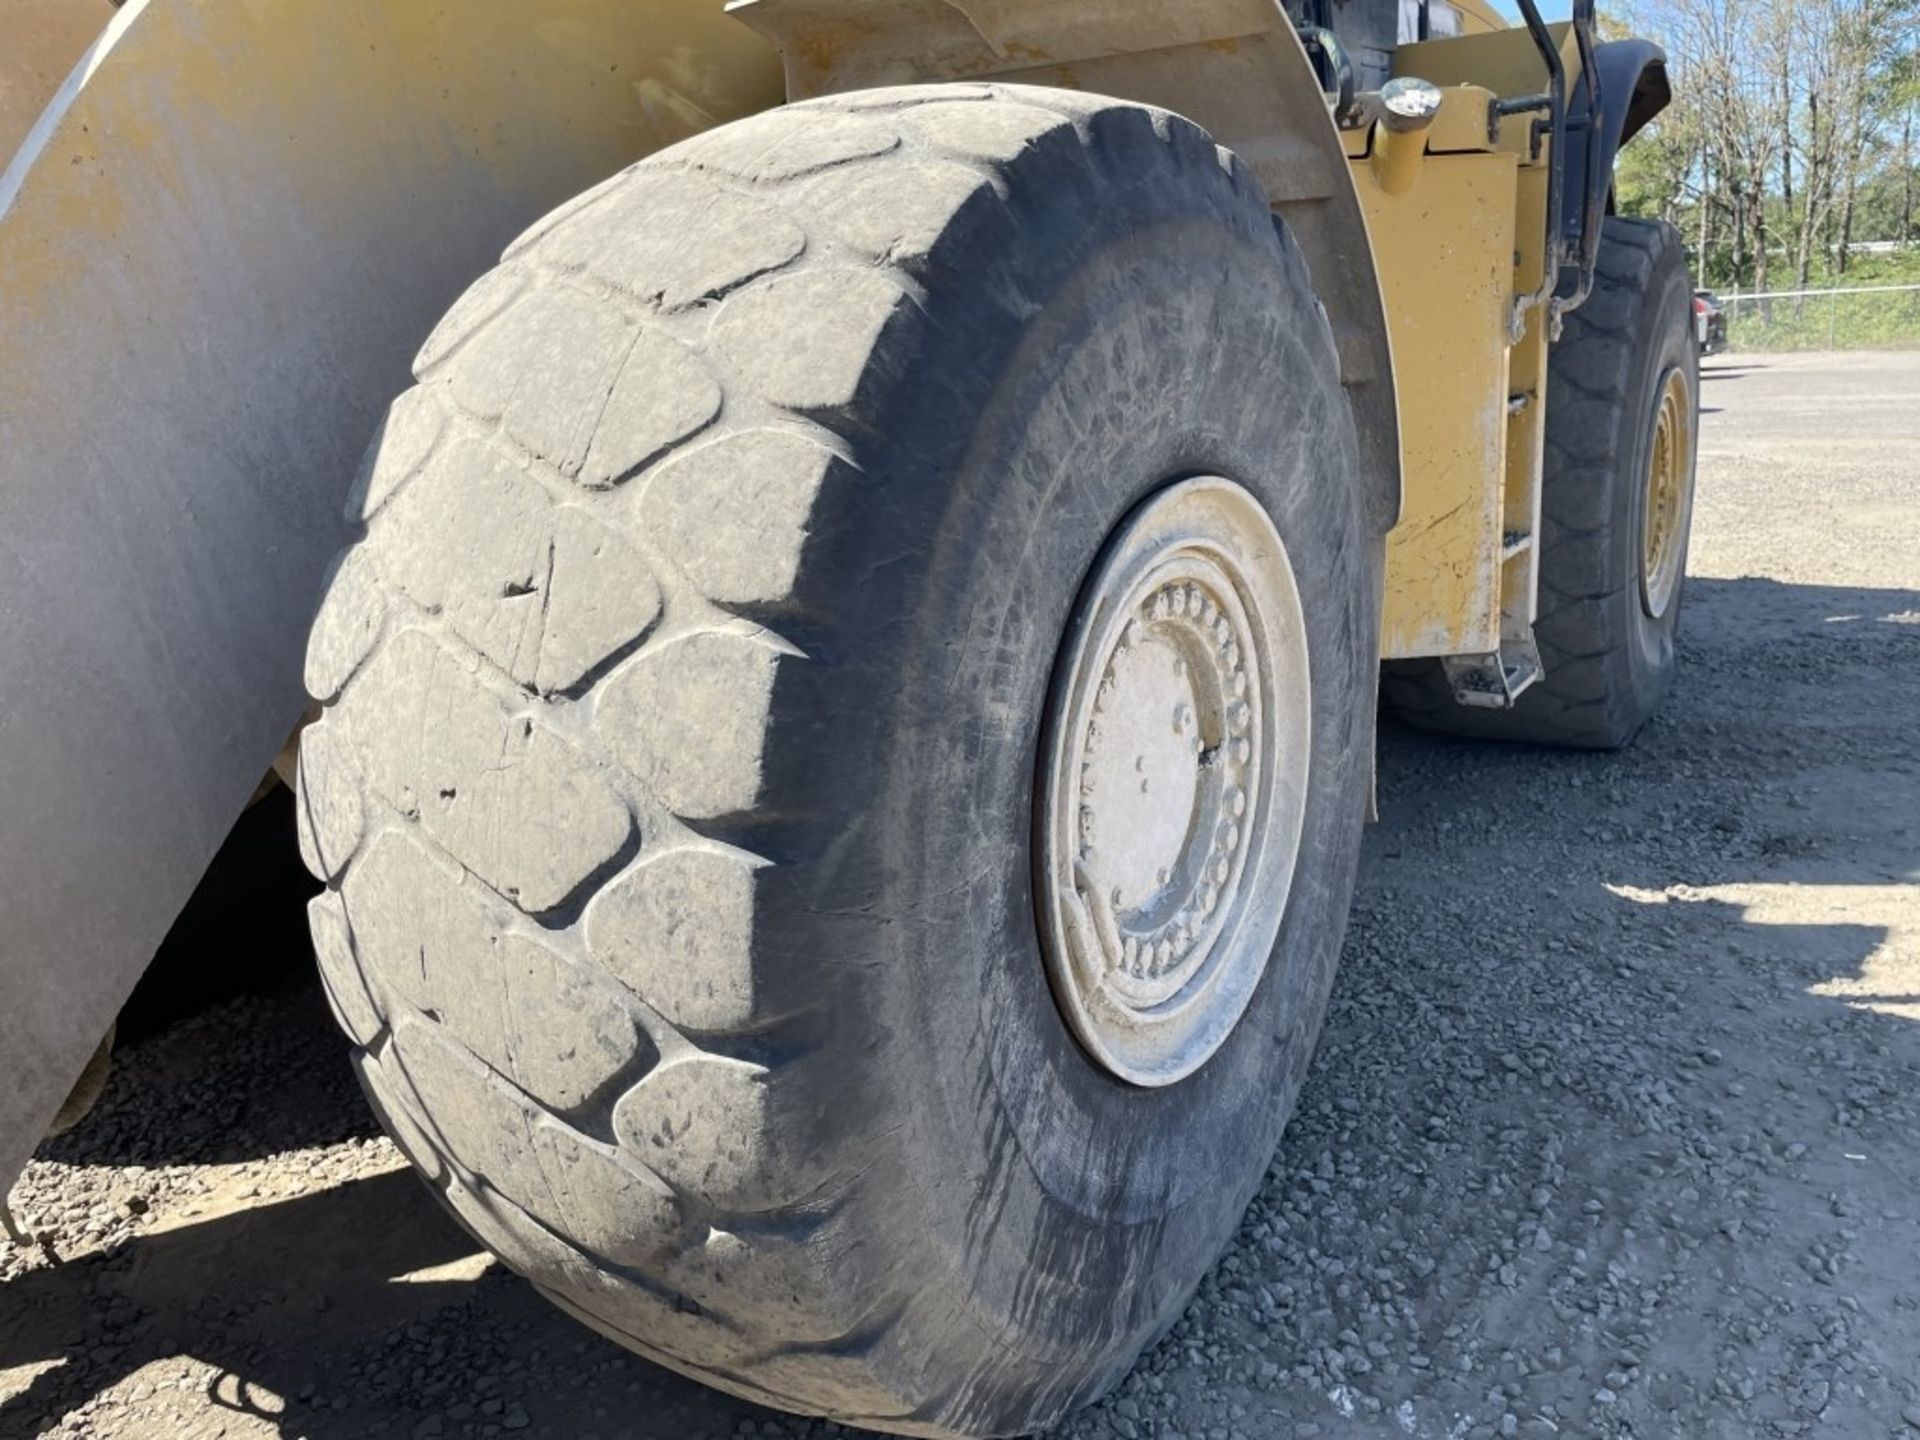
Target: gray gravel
{"points": [[1612, 1132]]}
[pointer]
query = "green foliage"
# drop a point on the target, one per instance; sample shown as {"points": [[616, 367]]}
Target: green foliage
{"points": [[1792, 132], [1650, 177], [1901, 267], [1886, 321]]}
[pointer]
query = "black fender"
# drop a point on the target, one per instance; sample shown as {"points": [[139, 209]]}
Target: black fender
{"points": [[1633, 88]]}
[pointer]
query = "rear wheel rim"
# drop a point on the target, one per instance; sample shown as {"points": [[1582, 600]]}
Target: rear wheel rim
{"points": [[1173, 785], [1663, 527]]}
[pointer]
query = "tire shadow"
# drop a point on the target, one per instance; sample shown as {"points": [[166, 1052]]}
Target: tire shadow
{"points": [[346, 1312]]}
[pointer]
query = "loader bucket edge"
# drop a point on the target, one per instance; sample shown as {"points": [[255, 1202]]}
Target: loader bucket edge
{"points": [[219, 249]]}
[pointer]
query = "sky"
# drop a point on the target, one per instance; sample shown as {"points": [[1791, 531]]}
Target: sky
{"points": [[1549, 9]]}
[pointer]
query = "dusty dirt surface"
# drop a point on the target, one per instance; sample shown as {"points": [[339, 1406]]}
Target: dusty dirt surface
{"points": [[1615, 1128]]}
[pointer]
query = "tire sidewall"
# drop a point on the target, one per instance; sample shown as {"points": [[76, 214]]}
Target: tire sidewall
{"points": [[1152, 331], [1666, 334]]}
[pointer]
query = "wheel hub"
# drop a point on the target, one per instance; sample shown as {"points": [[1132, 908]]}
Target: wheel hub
{"points": [[1174, 781], [1663, 524]]}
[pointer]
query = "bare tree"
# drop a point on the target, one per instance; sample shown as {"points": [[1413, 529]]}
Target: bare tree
{"points": [[1785, 110]]}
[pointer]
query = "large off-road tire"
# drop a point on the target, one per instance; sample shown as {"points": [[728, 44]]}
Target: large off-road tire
{"points": [[1609, 601], [675, 790]]}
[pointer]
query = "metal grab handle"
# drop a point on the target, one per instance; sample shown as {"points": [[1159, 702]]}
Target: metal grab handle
{"points": [[1588, 253], [1317, 38], [1556, 107], [1555, 104]]}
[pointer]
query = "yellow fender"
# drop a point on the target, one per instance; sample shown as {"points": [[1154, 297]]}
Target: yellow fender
{"points": [[219, 248]]}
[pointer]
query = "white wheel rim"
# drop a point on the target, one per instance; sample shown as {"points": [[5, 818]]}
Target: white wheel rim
{"points": [[1173, 784]]}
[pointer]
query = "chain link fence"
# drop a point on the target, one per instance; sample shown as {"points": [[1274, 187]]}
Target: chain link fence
{"points": [[1859, 317]]}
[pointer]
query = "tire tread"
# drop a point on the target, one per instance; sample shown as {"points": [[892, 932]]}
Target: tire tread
{"points": [[563, 778]]}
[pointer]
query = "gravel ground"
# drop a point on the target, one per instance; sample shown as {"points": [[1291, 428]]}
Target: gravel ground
{"points": [[1612, 1132]]}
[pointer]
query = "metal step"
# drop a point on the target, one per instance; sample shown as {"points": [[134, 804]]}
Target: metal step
{"points": [[1495, 681]]}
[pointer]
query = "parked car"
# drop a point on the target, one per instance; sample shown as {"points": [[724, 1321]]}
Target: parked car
{"points": [[1709, 322]]}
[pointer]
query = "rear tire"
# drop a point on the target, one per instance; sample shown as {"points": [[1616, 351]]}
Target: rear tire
{"points": [[1607, 649], [675, 789]]}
